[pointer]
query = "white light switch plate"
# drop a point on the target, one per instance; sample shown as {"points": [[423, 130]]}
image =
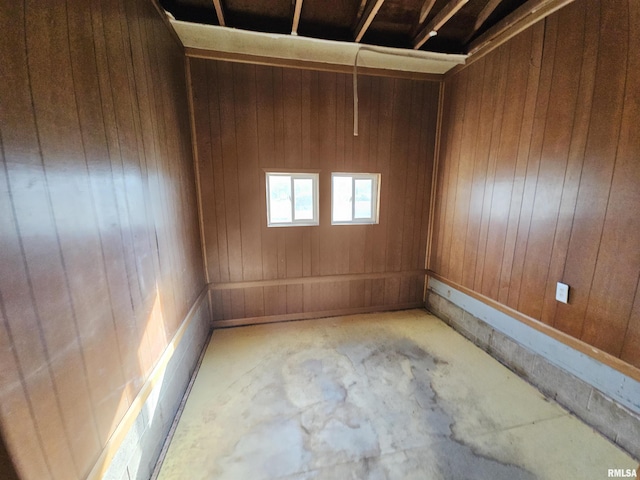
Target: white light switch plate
{"points": [[562, 292]]}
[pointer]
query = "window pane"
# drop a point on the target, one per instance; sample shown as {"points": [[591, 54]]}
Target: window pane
{"points": [[364, 192], [342, 199], [303, 198], [280, 198]]}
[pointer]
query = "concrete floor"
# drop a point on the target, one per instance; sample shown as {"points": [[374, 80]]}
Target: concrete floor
{"points": [[383, 396]]}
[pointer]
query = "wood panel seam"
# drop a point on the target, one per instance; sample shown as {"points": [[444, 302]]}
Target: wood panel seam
{"points": [[434, 173], [196, 165]]}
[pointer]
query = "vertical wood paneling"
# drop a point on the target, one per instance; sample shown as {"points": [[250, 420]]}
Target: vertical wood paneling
{"points": [[505, 166], [203, 126], [476, 192], [553, 161], [428, 117], [491, 139], [99, 246], [436, 261], [452, 172], [383, 157], [297, 120], [465, 174], [401, 122], [560, 189], [628, 155], [597, 170], [411, 213], [292, 108], [22, 360], [56, 119], [24, 186], [616, 276], [630, 351], [120, 255], [266, 154], [522, 156], [573, 172]]}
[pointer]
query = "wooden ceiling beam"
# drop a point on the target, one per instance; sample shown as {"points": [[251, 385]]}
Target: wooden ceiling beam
{"points": [[443, 16], [481, 18], [219, 12], [425, 10], [520, 19], [484, 14], [363, 4], [296, 17], [367, 17]]}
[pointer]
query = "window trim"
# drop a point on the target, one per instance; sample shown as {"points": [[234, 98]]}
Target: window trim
{"points": [[315, 181], [375, 198]]}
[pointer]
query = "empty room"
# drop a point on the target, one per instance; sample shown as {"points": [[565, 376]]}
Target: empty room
{"points": [[320, 239]]}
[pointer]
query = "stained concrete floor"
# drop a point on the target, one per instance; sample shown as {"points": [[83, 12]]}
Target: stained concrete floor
{"points": [[383, 396]]}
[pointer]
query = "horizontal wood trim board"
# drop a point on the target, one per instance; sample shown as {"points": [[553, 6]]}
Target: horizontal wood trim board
{"points": [[568, 340], [318, 279], [289, 317], [291, 169], [121, 431], [308, 65]]}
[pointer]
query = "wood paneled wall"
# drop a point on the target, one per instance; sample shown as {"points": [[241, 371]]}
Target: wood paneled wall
{"points": [[539, 175], [250, 118], [100, 258]]}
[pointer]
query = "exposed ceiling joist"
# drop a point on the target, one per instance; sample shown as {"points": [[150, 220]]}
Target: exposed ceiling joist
{"points": [[484, 13], [482, 17], [426, 8], [367, 17], [296, 17], [209, 41], [394, 23], [443, 16], [514, 23], [219, 12], [361, 7]]}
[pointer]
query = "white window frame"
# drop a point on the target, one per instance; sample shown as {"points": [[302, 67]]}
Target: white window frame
{"points": [[294, 176], [375, 198]]}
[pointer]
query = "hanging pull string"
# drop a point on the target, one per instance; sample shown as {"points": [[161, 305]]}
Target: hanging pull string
{"points": [[355, 94], [408, 54]]}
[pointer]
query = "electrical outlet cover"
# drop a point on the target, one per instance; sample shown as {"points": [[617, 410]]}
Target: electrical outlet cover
{"points": [[562, 292]]}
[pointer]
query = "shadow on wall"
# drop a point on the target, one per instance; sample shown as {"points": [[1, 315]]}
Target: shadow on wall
{"points": [[6, 465]]}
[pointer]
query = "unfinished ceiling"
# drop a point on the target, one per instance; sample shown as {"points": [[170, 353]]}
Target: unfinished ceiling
{"points": [[446, 26]]}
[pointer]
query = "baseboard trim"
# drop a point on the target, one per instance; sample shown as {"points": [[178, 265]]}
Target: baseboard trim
{"points": [[601, 396], [441, 284], [238, 322], [278, 282], [174, 425]]}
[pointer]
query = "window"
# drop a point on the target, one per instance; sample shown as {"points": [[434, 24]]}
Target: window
{"points": [[292, 199], [354, 198]]}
